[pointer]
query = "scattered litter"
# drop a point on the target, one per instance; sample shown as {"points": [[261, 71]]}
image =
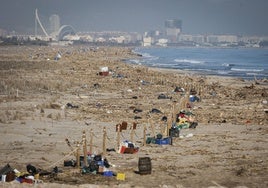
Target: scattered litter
{"points": [[186, 135], [31, 169], [119, 76], [163, 96], [189, 135], [121, 176], [7, 168], [128, 147], [144, 82], [137, 110], [164, 118], [109, 112], [69, 105], [194, 98], [58, 56], [104, 71], [137, 117], [185, 119], [9, 174], [174, 132], [154, 110], [96, 165], [96, 85], [193, 92], [164, 141], [179, 89], [159, 140], [69, 163], [110, 149], [98, 105]]}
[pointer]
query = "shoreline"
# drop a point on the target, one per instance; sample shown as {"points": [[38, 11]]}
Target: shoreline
{"points": [[228, 80]]}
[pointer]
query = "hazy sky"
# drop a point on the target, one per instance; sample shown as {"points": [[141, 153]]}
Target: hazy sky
{"points": [[247, 17]]}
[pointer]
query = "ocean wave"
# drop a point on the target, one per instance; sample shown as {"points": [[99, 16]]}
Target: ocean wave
{"points": [[252, 74], [170, 66], [165, 64], [188, 61], [135, 61], [228, 64], [146, 55], [246, 70], [153, 58], [221, 72]]}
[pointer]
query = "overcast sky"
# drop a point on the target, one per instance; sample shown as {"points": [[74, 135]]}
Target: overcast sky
{"points": [[246, 17]]}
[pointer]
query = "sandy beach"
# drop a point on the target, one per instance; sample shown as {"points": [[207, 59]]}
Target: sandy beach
{"points": [[44, 102]]}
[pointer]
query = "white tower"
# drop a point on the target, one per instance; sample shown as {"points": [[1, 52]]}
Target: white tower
{"points": [[54, 21]]}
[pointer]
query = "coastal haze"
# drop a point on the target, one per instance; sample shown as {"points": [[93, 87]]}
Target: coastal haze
{"points": [[239, 17]]}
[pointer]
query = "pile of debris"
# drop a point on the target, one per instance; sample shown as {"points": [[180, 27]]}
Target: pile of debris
{"points": [[9, 174]]}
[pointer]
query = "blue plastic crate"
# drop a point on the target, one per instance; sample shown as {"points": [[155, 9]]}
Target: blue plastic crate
{"points": [[108, 173], [164, 141]]}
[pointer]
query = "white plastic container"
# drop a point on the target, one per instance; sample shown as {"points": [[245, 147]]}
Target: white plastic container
{"points": [[3, 179]]}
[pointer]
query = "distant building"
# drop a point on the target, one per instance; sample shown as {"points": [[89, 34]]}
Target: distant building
{"points": [[173, 29], [3, 32], [186, 37], [199, 39], [162, 42], [175, 23], [147, 41], [119, 39], [222, 39]]}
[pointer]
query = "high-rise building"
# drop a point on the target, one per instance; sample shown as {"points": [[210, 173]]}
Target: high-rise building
{"points": [[54, 21], [176, 23], [173, 29]]}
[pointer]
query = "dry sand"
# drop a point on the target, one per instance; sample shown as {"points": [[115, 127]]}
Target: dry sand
{"points": [[228, 148]]}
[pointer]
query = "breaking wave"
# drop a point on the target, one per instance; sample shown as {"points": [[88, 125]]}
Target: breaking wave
{"points": [[228, 64], [135, 61], [188, 61], [246, 70]]}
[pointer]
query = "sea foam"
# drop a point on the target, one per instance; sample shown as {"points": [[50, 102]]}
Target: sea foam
{"points": [[188, 61]]}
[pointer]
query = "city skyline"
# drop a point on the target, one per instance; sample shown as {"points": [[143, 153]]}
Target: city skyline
{"points": [[240, 17]]}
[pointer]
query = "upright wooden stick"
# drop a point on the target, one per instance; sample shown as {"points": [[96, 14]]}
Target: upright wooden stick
{"points": [[84, 147], [104, 141], [132, 134], [91, 142], [174, 112], [163, 128], [78, 155], [144, 135], [152, 126], [118, 136]]}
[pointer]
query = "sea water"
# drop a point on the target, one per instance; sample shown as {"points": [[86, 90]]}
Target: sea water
{"points": [[247, 63]]}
